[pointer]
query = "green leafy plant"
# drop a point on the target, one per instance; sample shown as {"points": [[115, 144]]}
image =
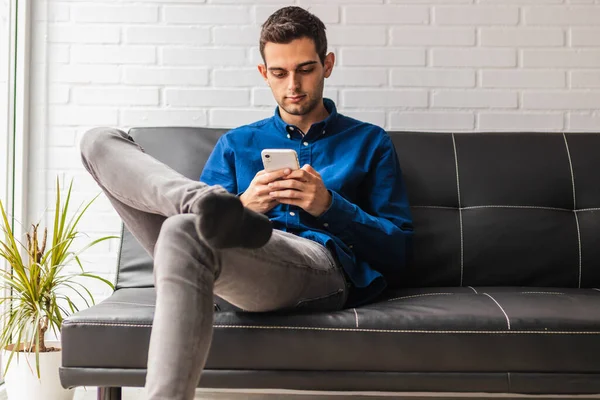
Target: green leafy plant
{"points": [[33, 288]]}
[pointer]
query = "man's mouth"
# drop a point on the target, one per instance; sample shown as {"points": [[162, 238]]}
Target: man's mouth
{"points": [[296, 98]]}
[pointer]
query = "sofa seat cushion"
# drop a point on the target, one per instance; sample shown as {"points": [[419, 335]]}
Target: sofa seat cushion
{"points": [[452, 329]]}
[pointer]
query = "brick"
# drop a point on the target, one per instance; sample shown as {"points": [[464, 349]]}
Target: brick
{"points": [[207, 97], [522, 79], [247, 77], [585, 37], [112, 54], [56, 53], [520, 37], [165, 76], [230, 15], [348, 77], [383, 98], [523, 1], [584, 122], [58, 12], [63, 158], [476, 15], [263, 97], [231, 118], [474, 58], [61, 137], [432, 78], [373, 117], [127, 14], [433, 36], [585, 79], [356, 36], [436, 121], [561, 58], [396, 15], [203, 57], [83, 73], [560, 15], [561, 100], [169, 35], [162, 117], [74, 115], [474, 99], [303, 2], [83, 34], [428, 2], [115, 96], [246, 35], [512, 122], [382, 57], [57, 94], [327, 13]]}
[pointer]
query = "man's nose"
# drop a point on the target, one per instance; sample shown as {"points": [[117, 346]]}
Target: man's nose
{"points": [[293, 81]]}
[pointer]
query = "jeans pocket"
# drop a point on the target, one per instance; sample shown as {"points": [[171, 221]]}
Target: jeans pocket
{"points": [[332, 302]]}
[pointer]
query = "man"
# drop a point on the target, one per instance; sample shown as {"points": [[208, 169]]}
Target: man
{"points": [[342, 221]]}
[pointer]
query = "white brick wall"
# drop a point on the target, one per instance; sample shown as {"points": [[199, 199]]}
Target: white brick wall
{"points": [[448, 65]]}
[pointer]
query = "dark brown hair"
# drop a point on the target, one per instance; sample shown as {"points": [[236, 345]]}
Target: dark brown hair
{"points": [[290, 23]]}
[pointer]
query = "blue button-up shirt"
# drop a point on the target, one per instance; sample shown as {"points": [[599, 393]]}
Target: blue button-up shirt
{"points": [[368, 225]]}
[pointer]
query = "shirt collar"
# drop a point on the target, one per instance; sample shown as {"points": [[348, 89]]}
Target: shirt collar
{"points": [[322, 125]]}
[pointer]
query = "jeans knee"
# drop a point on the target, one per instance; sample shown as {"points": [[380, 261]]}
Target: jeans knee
{"points": [[95, 140]]}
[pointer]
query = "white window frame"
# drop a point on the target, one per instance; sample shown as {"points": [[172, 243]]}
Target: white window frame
{"points": [[14, 136]]}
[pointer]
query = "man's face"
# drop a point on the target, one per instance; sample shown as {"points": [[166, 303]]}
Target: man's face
{"points": [[296, 75]]}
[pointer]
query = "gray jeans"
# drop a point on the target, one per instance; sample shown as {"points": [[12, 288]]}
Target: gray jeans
{"points": [[154, 202]]}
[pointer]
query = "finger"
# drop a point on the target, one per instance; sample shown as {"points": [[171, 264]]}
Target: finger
{"points": [[308, 168], [286, 184], [299, 174], [268, 177], [292, 202], [286, 194]]}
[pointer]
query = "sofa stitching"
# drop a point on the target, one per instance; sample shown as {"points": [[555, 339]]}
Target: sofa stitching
{"points": [[418, 295], [508, 206], [128, 303], [315, 328], [473, 289], [356, 316], [574, 204], [596, 289], [541, 293], [459, 211], [502, 309]]}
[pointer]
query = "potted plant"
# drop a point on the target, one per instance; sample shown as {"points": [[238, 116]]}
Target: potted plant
{"points": [[37, 293]]}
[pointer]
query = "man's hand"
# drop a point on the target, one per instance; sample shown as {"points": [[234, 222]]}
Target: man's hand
{"points": [[303, 188], [256, 197]]}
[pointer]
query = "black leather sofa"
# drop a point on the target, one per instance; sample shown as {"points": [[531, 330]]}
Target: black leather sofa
{"points": [[501, 295]]}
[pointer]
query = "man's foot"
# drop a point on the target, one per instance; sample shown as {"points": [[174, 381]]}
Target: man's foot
{"points": [[224, 222]]}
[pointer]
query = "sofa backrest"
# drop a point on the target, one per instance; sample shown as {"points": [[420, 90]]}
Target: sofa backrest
{"points": [[489, 209]]}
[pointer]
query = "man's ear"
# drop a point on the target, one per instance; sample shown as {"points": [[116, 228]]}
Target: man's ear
{"points": [[329, 62], [262, 68]]}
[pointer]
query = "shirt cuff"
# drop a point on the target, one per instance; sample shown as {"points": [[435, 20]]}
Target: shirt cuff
{"points": [[339, 215]]}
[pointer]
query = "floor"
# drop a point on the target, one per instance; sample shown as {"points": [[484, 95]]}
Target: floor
{"points": [[137, 394]]}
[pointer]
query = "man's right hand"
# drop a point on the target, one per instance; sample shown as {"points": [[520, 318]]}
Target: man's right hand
{"points": [[256, 197]]}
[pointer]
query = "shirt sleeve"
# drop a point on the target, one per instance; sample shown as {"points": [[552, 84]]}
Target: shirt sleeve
{"points": [[378, 230], [220, 167]]}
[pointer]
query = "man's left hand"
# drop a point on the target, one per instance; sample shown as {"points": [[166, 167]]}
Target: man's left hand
{"points": [[303, 188]]}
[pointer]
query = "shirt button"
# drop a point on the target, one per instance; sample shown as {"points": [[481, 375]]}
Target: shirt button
{"points": [[292, 213], [326, 225], [323, 131], [289, 128], [305, 143], [289, 136], [351, 246]]}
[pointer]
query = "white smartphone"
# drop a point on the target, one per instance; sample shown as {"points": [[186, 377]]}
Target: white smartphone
{"points": [[274, 159]]}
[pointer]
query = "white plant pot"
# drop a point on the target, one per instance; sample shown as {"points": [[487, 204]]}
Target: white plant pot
{"points": [[21, 378]]}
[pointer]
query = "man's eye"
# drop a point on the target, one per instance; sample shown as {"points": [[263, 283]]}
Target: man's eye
{"points": [[278, 75], [306, 71]]}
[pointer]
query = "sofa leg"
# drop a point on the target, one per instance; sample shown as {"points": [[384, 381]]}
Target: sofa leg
{"points": [[109, 393]]}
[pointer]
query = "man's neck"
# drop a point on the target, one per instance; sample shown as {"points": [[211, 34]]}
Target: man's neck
{"points": [[304, 122]]}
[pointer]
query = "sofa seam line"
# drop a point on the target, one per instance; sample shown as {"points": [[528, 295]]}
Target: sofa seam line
{"points": [[501, 309], [459, 211]]}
